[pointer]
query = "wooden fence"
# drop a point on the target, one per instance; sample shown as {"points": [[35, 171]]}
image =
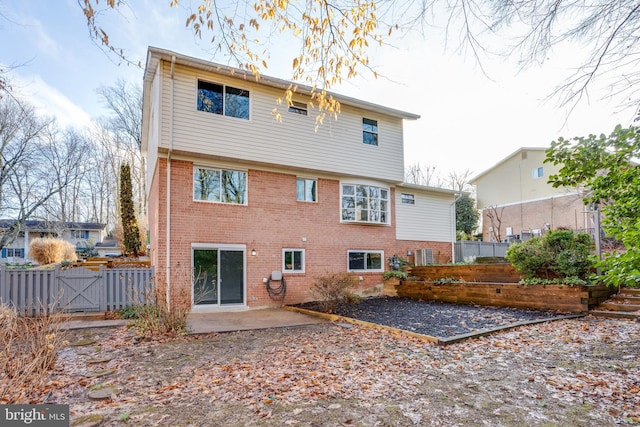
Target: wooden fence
{"points": [[33, 292]]}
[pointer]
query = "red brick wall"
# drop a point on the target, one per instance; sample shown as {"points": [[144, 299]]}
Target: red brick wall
{"points": [[271, 221]]}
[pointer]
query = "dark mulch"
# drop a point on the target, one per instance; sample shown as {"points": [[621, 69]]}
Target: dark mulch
{"points": [[435, 318]]}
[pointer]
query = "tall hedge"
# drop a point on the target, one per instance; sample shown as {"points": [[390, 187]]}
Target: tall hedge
{"points": [[130, 230]]}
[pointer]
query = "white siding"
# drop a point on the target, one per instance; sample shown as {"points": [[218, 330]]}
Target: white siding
{"points": [[335, 148], [154, 128], [429, 219]]}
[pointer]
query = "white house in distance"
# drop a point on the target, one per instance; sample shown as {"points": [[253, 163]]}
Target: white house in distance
{"points": [[517, 200], [242, 198], [79, 234]]}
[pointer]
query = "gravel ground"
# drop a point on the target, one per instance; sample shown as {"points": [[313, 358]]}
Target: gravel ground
{"points": [[438, 319]]}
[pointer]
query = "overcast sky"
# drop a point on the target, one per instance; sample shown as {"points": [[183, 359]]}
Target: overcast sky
{"points": [[468, 121]]}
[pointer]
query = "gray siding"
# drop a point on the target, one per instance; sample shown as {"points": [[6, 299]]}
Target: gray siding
{"points": [[336, 147], [429, 219]]}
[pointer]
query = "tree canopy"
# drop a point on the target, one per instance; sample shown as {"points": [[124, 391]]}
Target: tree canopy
{"points": [[605, 168], [335, 37]]}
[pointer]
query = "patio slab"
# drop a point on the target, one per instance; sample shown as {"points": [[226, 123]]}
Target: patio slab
{"points": [[228, 321]]}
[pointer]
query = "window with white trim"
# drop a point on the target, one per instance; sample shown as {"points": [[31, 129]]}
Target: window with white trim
{"points": [[408, 199], [298, 108], [365, 261], [538, 172], [306, 190], [80, 234], [293, 260], [224, 100], [219, 185], [365, 203], [12, 253], [369, 131]]}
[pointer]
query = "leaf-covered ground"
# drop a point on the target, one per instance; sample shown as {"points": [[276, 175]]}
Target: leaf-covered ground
{"points": [[579, 372]]}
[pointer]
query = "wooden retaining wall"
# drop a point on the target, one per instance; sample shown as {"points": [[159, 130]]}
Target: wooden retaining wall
{"points": [[496, 273], [567, 299]]}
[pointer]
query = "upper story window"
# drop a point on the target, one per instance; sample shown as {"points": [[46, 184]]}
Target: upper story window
{"points": [[365, 203], [369, 131], [306, 190], [80, 234], [369, 261], [224, 100], [538, 172], [408, 199], [218, 185], [298, 108], [293, 260]]}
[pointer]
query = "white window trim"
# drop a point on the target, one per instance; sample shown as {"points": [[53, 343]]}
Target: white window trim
{"points": [[535, 174], [224, 85], [246, 194], [306, 179], [410, 201], [220, 246], [368, 251], [379, 186], [304, 259]]}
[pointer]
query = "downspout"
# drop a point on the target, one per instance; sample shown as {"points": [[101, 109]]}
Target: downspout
{"points": [[453, 227], [168, 231]]}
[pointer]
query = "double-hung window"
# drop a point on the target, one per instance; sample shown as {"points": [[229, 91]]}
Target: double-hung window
{"points": [[365, 203], [366, 261], [306, 190], [369, 131], [219, 185], [293, 260], [224, 100]]}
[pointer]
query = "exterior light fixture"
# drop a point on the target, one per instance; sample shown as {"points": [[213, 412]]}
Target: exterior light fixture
{"points": [[253, 252]]}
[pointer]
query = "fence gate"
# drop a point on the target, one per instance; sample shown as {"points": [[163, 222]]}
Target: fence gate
{"points": [[81, 289]]}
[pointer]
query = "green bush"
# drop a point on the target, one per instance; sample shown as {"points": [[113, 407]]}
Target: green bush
{"points": [[558, 254]]}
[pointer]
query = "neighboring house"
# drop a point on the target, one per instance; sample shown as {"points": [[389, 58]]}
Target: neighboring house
{"points": [[236, 194], [109, 247], [83, 235], [517, 201]]}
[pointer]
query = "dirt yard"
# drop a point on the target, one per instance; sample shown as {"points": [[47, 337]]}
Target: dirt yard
{"points": [[580, 372]]}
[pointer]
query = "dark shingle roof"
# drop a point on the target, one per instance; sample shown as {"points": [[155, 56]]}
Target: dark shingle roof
{"points": [[52, 225]]}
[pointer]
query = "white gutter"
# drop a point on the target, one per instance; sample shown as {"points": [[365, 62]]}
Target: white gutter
{"points": [[168, 231], [453, 227]]}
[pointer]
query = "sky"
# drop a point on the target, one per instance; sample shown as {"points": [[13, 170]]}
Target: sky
{"points": [[468, 121]]}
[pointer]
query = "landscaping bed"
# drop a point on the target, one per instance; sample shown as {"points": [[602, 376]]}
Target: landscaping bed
{"points": [[433, 318]]}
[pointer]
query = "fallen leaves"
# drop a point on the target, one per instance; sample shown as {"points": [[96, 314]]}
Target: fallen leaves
{"points": [[556, 364]]}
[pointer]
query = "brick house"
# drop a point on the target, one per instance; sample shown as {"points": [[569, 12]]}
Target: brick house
{"points": [[235, 194], [516, 193]]}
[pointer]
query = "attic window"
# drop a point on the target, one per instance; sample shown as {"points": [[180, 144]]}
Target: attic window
{"points": [[298, 108]]}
